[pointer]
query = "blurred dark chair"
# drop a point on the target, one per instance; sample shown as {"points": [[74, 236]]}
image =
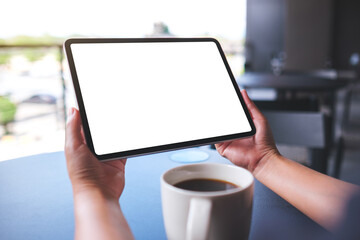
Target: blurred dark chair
{"points": [[304, 104], [303, 129]]}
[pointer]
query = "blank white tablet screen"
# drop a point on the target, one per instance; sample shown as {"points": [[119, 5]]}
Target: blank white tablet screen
{"points": [[139, 95]]}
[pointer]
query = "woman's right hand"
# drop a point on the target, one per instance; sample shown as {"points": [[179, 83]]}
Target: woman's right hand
{"points": [[253, 151]]}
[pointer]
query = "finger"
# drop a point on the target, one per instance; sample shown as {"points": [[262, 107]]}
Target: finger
{"points": [[220, 147], [124, 161], [73, 137]]}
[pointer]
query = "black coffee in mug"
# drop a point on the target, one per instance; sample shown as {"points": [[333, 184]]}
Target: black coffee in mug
{"points": [[205, 185]]}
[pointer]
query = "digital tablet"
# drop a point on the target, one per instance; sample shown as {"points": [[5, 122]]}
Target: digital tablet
{"points": [[146, 95]]}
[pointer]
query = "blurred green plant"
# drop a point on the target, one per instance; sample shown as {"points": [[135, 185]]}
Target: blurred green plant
{"points": [[30, 40], [5, 58], [33, 55], [56, 53], [7, 112]]}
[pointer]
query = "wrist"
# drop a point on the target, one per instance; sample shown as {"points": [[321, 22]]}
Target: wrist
{"points": [[264, 164], [91, 192], [97, 216], [90, 202]]}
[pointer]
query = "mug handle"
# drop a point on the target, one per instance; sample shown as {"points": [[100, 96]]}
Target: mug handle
{"points": [[198, 222]]}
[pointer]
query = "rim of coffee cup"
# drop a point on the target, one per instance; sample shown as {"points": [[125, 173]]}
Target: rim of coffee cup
{"points": [[241, 188]]}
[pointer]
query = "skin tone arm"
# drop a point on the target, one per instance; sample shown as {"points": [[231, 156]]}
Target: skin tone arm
{"points": [[97, 187], [320, 197]]}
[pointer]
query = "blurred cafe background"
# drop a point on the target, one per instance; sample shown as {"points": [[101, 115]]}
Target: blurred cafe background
{"points": [[298, 59]]}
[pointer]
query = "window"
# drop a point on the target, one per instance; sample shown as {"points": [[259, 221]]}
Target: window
{"points": [[33, 97]]}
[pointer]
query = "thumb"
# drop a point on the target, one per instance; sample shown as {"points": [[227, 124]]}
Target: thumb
{"points": [[254, 111], [73, 137]]}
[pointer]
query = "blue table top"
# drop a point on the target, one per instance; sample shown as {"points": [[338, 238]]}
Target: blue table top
{"points": [[36, 198]]}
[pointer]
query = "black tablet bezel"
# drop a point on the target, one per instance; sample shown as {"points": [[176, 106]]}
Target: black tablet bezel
{"points": [[154, 149]]}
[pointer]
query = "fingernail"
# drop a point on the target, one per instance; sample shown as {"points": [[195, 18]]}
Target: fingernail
{"points": [[71, 112]]}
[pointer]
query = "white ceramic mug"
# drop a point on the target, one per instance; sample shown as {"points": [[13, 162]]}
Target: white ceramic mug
{"points": [[195, 215]]}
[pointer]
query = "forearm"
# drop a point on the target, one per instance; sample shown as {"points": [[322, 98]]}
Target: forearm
{"points": [[99, 218], [318, 196]]}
